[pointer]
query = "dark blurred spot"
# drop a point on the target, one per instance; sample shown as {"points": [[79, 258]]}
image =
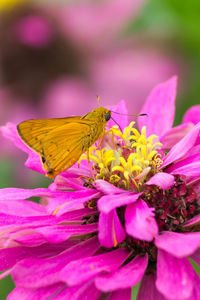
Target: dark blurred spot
{"points": [[28, 64]]}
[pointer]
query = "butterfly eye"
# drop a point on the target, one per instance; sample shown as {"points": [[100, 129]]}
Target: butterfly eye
{"points": [[107, 116]]}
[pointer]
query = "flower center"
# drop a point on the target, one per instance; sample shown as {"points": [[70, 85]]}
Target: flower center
{"points": [[128, 159], [173, 207]]}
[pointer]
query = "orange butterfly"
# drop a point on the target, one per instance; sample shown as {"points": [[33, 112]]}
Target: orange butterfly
{"points": [[61, 141]]}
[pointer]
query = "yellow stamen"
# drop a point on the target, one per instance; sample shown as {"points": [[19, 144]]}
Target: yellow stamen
{"points": [[130, 162]]}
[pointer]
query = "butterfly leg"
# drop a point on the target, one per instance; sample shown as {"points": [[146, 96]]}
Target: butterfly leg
{"points": [[101, 138], [112, 137], [88, 159]]}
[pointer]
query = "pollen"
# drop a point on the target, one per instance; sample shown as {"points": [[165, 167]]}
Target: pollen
{"points": [[127, 158]]}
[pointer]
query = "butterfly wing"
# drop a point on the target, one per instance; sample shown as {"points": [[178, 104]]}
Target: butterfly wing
{"points": [[32, 132], [60, 142], [63, 146]]}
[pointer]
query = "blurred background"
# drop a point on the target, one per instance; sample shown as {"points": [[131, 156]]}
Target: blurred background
{"points": [[57, 56]]}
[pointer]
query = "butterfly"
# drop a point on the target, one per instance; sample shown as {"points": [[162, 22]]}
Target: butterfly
{"points": [[61, 141]]}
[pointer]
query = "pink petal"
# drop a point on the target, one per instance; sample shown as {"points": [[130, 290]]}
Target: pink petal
{"points": [[182, 147], [192, 115], [191, 170], [10, 131], [75, 172], [35, 273], [38, 294], [11, 221], [125, 277], [26, 237], [175, 134], [160, 107], [178, 244], [163, 180], [78, 214], [183, 162], [81, 270], [62, 183], [111, 233], [122, 120], [60, 233], [20, 194], [174, 276], [196, 289], [22, 208], [148, 289], [84, 291], [121, 295], [65, 201], [10, 256], [194, 221], [68, 196], [140, 222], [110, 202], [33, 162], [195, 150], [107, 188], [196, 257]]}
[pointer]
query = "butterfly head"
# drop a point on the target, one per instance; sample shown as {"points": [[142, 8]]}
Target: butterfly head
{"points": [[100, 114], [107, 116]]}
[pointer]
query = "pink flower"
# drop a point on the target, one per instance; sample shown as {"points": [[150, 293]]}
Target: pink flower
{"points": [[137, 221]]}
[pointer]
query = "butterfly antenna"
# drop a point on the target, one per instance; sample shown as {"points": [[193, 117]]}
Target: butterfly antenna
{"points": [[139, 115], [117, 124], [98, 100]]}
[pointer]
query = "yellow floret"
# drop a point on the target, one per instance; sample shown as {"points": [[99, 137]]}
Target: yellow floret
{"points": [[131, 161]]}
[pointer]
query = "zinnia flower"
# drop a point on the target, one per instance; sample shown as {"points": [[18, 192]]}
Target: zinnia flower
{"points": [[136, 218]]}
